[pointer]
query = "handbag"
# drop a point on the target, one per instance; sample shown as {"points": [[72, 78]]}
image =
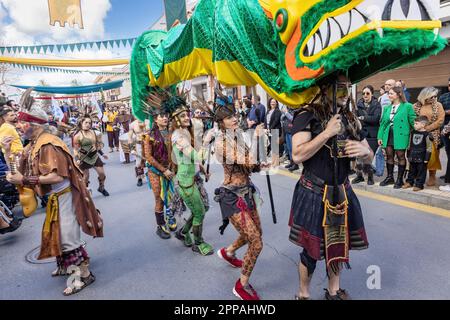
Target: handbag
{"points": [[379, 162]]}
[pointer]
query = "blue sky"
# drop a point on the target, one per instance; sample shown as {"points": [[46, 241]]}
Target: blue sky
{"points": [[129, 18]]}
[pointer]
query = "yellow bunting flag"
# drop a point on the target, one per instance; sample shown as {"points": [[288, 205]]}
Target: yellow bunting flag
{"points": [[65, 11]]}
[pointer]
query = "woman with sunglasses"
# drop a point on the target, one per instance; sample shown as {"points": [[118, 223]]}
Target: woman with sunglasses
{"points": [[396, 125], [428, 105], [369, 113]]}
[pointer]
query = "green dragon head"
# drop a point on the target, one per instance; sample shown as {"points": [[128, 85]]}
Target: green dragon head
{"points": [[361, 37], [286, 46]]}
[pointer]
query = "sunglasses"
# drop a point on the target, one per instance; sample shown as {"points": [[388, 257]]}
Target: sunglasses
{"points": [[366, 93]]}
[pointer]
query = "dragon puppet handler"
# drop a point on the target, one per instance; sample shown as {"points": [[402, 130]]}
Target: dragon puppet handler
{"points": [[305, 54]]}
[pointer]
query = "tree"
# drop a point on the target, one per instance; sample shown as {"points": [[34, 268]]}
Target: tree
{"points": [[5, 69]]}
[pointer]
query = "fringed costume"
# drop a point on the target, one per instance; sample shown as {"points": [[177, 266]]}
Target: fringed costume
{"points": [[158, 157], [323, 229]]}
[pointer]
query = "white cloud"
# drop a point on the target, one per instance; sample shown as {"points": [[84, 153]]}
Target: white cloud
{"points": [[29, 24], [32, 17]]}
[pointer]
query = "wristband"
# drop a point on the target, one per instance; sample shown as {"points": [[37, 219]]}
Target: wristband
{"points": [[30, 180], [101, 152]]}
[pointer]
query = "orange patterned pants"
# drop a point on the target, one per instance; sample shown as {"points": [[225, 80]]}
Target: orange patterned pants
{"points": [[248, 225]]}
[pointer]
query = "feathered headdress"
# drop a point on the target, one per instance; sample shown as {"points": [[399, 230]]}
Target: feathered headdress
{"points": [[165, 101], [223, 107], [30, 113], [202, 105], [27, 101]]}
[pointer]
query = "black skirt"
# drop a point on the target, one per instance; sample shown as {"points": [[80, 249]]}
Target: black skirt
{"points": [[86, 166], [390, 142], [306, 218]]}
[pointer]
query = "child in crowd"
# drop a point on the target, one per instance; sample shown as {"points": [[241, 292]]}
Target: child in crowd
{"points": [[419, 154]]}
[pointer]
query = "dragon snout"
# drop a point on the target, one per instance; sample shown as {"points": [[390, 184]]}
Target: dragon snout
{"points": [[355, 18]]}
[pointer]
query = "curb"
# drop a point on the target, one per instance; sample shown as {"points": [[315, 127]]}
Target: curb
{"points": [[418, 197], [431, 200]]}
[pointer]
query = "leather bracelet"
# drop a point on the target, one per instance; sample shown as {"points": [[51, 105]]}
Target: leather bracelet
{"points": [[30, 180]]}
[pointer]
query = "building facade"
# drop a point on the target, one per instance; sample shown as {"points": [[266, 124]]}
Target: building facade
{"points": [[434, 71]]}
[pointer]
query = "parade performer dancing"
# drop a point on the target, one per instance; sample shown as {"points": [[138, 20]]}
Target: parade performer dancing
{"points": [[87, 150], [324, 225], [189, 181], [48, 167], [136, 138], [160, 167], [237, 196]]}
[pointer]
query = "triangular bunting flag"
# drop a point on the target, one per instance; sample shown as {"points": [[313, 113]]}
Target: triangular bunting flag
{"points": [[98, 44], [117, 43], [58, 47], [72, 47], [79, 46], [2, 50], [45, 49], [124, 42], [66, 47], [91, 45], [52, 48], [105, 44]]}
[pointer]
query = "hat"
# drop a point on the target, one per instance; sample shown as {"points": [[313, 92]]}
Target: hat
{"points": [[35, 116], [223, 107]]}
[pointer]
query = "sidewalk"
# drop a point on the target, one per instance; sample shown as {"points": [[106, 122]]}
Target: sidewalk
{"points": [[430, 196]]}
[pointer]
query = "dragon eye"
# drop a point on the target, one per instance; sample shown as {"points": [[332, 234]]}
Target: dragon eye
{"points": [[281, 20]]}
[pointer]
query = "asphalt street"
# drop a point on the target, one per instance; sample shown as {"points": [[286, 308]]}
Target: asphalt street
{"points": [[408, 247]]}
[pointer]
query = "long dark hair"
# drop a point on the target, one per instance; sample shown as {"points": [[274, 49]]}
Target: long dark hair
{"points": [[80, 122], [159, 151], [270, 101], [322, 111]]}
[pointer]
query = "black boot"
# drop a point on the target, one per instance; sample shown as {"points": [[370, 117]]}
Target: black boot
{"points": [[139, 183], [289, 165], [162, 233], [359, 178], [161, 230], [101, 187], [390, 177], [399, 182], [294, 167]]}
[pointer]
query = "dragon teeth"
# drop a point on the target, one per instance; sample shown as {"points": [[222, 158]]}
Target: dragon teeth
{"points": [[336, 28], [345, 21]]}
